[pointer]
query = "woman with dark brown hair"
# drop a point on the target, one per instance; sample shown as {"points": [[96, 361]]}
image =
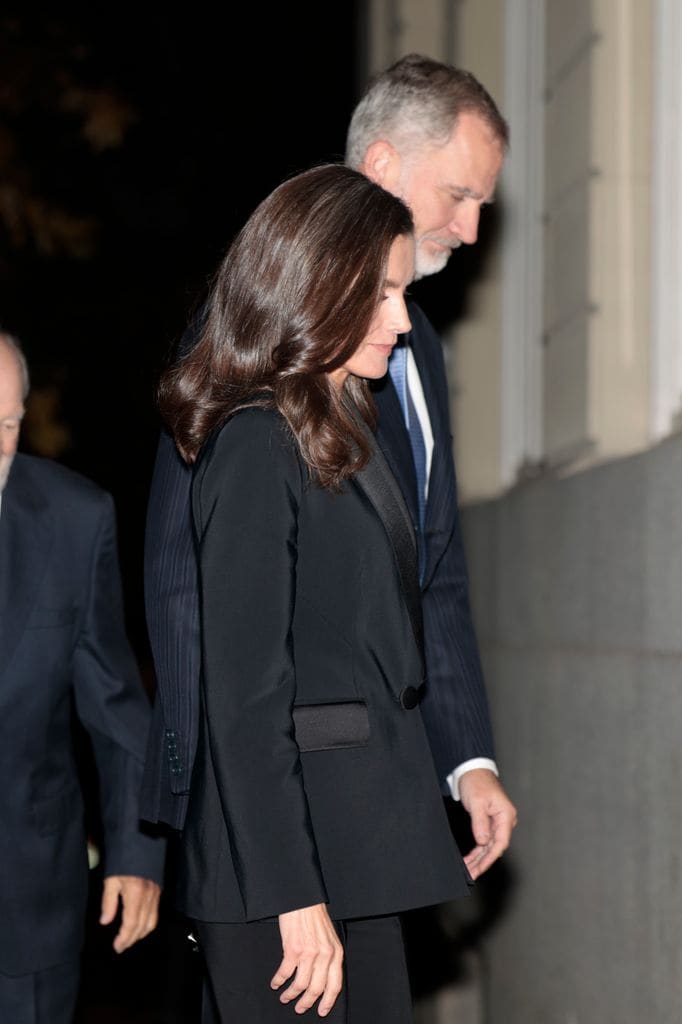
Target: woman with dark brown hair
{"points": [[315, 815]]}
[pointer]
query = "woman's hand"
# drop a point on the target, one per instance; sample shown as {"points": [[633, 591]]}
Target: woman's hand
{"points": [[313, 952]]}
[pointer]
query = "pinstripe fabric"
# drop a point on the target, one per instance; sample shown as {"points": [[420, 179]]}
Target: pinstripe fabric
{"points": [[171, 591], [454, 707], [172, 609]]}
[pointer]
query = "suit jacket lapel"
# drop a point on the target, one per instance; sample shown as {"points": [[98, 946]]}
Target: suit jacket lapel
{"points": [[380, 487], [442, 496], [26, 536], [394, 442]]}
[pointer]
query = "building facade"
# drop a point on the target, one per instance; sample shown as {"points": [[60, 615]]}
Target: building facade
{"points": [[566, 375]]}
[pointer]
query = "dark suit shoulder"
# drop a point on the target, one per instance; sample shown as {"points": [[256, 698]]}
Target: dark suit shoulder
{"points": [[57, 483], [253, 446]]}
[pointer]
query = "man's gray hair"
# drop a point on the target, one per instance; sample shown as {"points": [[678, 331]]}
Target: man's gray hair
{"points": [[13, 345], [416, 102]]}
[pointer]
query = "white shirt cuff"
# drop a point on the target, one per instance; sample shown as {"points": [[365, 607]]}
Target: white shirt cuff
{"points": [[466, 766]]}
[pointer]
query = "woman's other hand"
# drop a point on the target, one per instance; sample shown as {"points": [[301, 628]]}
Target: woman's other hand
{"points": [[314, 955]]}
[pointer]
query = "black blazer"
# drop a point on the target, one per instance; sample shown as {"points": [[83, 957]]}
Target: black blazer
{"points": [[454, 707], [62, 644], [313, 780]]}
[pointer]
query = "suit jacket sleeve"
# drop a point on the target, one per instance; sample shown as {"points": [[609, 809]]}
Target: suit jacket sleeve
{"points": [[113, 707], [172, 611], [455, 707], [246, 508]]}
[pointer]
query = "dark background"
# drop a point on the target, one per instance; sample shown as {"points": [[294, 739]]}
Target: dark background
{"points": [[132, 147]]}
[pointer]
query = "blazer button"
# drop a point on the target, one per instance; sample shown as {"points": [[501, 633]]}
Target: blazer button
{"points": [[409, 698]]}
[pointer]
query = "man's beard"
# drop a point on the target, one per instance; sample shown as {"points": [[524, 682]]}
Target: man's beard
{"points": [[427, 263]]}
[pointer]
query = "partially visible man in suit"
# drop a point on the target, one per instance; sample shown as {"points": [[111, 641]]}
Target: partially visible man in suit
{"points": [[63, 649], [433, 135]]}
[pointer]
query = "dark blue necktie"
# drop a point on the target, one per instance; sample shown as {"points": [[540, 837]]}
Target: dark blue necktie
{"points": [[398, 369]]}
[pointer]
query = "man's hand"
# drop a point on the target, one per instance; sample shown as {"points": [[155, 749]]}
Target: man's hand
{"points": [[140, 900], [312, 949], [493, 816]]}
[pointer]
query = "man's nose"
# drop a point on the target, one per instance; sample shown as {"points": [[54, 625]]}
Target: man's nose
{"points": [[465, 222]]}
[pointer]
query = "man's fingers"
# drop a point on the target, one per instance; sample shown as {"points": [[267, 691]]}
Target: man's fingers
{"points": [[110, 894], [130, 929], [493, 817], [473, 856], [140, 917], [479, 860], [492, 826], [130, 932], [484, 855], [473, 860], [480, 827], [125, 938], [140, 902]]}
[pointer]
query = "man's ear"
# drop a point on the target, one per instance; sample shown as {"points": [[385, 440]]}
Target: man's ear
{"points": [[382, 164]]}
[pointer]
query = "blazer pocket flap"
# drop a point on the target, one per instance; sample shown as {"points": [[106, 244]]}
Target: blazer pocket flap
{"points": [[331, 726], [47, 618]]}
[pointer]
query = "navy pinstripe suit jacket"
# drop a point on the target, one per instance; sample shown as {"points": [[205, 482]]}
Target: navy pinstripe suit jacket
{"points": [[454, 706]]}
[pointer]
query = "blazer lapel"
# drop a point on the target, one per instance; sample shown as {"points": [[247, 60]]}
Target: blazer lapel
{"points": [[442, 495], [26, 536], [394, 442], [382, 490]]}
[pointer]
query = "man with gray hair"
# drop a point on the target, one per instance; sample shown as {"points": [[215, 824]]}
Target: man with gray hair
{"points": [[62, 647], [431, 134]]}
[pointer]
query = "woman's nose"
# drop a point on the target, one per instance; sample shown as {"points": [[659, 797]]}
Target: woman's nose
{"points": [[402, 319]]}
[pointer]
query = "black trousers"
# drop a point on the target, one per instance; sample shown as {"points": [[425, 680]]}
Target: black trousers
{"points": [[241, 958], [46, 997]]}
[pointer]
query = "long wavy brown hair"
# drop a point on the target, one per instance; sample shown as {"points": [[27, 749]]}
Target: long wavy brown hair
{"points": [[292, 300]]}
